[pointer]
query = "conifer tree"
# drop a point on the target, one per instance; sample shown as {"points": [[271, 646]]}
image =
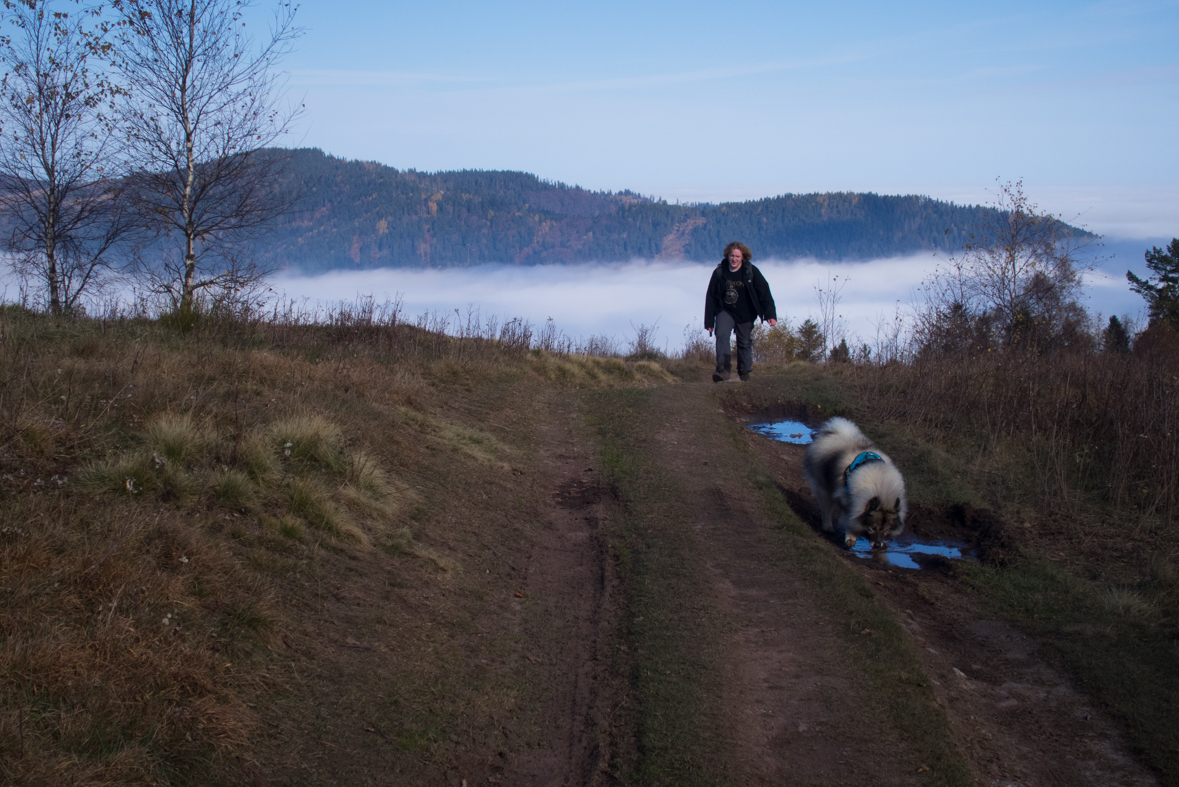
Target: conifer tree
{"points": [[1162, 290]]}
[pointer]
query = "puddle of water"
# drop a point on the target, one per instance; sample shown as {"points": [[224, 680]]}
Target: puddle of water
{"points": [[898, 552], [794, 432]]}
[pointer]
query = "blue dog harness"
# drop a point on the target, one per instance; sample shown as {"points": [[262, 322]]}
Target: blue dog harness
{"points": [[866, 457]]}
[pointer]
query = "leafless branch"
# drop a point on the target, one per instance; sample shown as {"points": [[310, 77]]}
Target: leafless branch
{"points": [[60, 157], [206, 103]]}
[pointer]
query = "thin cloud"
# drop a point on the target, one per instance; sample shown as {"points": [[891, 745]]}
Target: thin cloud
{"points": [[344, 78], [688, 77]]}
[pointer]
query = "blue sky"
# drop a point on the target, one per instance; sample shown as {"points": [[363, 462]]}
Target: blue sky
{"points": [[711, 101]]}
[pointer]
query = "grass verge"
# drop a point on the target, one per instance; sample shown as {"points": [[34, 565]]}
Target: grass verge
{"points": [[1108, 636]]}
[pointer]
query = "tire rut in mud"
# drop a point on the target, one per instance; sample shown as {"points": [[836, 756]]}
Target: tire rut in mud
{"points": [[567, 622]]}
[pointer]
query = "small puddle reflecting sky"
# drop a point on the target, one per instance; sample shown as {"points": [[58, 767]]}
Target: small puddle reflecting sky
{"points": [[794, 432], [899, 551]]}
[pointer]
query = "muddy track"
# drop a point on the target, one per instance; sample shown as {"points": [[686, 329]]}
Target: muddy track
{"points": [[793, 709], [569, 590], [796, 710]]}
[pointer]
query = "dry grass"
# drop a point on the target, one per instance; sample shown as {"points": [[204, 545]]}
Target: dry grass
{"points": [[158, 489], [113, 667], [1084, 429], [1075, 451], [587, 371]]}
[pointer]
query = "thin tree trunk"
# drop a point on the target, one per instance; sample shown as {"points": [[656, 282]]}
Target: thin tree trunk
{"points": [[186, 299], [51, 273]]}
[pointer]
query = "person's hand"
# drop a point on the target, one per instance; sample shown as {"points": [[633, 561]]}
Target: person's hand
{"points": [[709, 331], [772, 322]]}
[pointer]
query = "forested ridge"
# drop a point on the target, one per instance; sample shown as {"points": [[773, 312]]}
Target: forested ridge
{"points": [[362, 215]]}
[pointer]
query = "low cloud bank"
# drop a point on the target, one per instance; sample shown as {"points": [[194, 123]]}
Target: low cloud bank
{"points": [[615, 299]]}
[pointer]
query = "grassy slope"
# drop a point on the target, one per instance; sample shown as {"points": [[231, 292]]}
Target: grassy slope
{"points": [[191, 523], [167, 569]]}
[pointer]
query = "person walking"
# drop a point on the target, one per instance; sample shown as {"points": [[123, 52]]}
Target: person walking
{"points": [[737, 295]]}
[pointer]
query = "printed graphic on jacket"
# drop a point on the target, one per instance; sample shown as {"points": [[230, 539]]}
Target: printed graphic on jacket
{"points": [[733, 289]]}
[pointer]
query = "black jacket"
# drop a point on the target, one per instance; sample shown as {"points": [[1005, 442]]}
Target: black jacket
{"points": [[755, 284]]}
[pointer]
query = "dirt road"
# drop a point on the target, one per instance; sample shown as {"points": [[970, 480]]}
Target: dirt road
{"points": [[641, 600], [787, 697]]}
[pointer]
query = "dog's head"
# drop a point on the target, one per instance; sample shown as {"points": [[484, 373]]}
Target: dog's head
{"points": [[878, 503], [881, 520]]}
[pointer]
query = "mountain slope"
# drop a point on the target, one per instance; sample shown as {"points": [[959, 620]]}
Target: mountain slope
{"points": [[362, 215]]}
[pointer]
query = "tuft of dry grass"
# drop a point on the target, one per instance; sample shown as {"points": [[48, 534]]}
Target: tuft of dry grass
{"points": [[174, 438], [310, 439], [234, 489]]}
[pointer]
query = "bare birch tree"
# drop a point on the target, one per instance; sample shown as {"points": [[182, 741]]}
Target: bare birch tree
{"points": [[59, 161], [205, 103], [1017, 273]]}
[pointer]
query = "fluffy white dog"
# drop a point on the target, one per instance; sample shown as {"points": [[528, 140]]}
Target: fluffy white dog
{"points": [[856, 484]]}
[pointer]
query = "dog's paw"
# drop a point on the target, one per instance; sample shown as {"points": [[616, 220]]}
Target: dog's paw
{"points": [[849, 541]]}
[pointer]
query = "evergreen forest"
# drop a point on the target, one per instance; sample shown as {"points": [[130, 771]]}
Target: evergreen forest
{"points": [[362, 215]]}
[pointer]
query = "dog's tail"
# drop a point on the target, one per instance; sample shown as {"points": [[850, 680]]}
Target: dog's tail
{"points": [[843, 428]]}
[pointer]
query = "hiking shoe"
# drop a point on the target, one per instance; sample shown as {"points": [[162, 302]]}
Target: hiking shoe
{"points": [[744, 377], [717, 377]]}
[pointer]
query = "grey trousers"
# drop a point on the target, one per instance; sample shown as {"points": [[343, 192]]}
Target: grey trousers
{"points": [[725, 324]]}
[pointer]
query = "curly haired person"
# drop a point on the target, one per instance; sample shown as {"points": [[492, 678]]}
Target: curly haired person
{"points": [[737, 296]]}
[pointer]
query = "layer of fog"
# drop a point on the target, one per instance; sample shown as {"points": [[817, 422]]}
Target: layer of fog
{"points": [[616, 300]]}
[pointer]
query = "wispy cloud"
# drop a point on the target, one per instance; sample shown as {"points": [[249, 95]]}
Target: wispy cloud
{"points": [[506, 81], [692, 76], [344, 78]]}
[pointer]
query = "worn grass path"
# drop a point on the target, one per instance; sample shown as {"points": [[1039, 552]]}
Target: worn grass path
{"points": [[521, 570], [615, 591], [758, 658]]}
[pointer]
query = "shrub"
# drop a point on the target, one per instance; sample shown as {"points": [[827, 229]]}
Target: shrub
{"points": [[775, 344]]}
